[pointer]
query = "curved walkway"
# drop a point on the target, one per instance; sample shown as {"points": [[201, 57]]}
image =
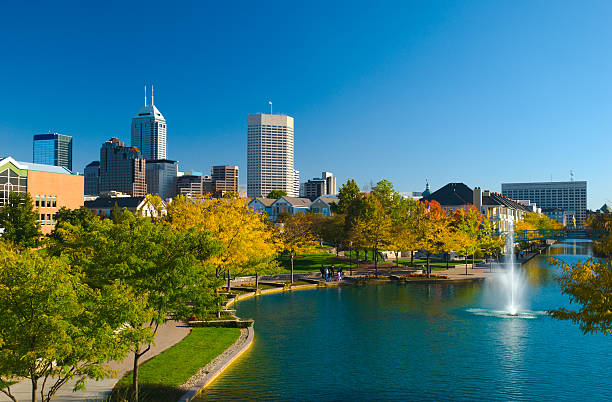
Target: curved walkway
{"points": [[168, 334]]}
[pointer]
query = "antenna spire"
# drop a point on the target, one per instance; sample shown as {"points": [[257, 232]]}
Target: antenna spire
{"points": [[152, 96], [145, 96]]}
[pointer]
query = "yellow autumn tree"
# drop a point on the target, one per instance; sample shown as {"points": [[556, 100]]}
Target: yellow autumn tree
{"points": [[248, 242], [297, 234]]}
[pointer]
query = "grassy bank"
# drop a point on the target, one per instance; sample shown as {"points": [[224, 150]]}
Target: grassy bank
{"points": [[160, 377]]}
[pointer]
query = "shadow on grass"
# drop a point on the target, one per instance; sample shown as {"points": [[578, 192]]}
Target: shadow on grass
{"points": [[147, 392]]}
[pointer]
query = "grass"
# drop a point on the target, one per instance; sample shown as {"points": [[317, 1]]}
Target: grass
{"points": [[310, 262], [160, 377]]}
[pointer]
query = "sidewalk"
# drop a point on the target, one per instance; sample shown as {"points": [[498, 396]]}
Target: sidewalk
{"points": [[168, 334]]}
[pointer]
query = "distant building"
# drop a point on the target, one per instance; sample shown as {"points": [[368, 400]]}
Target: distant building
{"points": [[103, 206], [330, 183], [262, 204], [122, 169], [149, 131], [225, 180], [161, 178], [296, 182], [92, 178], [323, 205], [194, 185], [53, 149], [314, 188], [51, 187], [289, 205], [269, 154], [569, 196]]}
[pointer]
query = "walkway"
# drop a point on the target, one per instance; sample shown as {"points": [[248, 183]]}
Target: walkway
{"points": [[168, 334]]}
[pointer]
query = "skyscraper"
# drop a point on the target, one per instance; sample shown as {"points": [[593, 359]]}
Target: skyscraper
{"points": [[53, 149], [330, 183], [296, 182], [149, 131], [122, 169], [569, 197], [92, 178], [269, 154], [161, 177], [225, 179]]}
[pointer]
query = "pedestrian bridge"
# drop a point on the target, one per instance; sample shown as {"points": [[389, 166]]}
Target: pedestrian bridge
{"points": [[522, 236]]}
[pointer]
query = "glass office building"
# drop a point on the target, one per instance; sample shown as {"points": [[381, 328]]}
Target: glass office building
{"points": [[53, 149]]}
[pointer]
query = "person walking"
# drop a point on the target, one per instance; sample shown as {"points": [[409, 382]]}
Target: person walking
{"points": [[322, 270], [326, 272]]}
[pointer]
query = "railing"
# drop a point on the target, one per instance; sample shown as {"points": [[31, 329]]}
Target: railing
{"points": [[542, 234]]}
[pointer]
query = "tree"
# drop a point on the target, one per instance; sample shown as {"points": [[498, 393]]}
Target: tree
{"points": [[588, 284], [76, 217], [116, 213], [54, 328], [276, 194], [20, 221], [330, 229], [432, 230], [403, 231], [297, 234], [247, 240], [602, 227], [169, 266], [372, 229], [466, 224], [489, 242], [347, 194], [386, 194]]}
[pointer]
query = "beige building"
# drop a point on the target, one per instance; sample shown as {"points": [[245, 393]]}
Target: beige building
{"points": [[270, 154]]}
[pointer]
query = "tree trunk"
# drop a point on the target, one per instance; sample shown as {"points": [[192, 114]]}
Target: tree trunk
{"points": [[135, 376], [397, 259], [428, 271], [465, 258], [34, 387], [412, 258], [472, 261], [229, 278], [447, 258], [292, 267], [256, 281], [375, 251]]}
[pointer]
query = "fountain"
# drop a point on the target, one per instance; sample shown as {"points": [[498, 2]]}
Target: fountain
{"points": [[512, 280]]}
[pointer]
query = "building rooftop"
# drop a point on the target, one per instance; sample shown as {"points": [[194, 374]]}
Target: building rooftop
{"points": [[38, 167], [265, 201], [109, 202], [296, 201], [149, 111]]}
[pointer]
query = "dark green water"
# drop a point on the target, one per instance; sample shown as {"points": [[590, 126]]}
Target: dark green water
{"points": [[416, 341]]}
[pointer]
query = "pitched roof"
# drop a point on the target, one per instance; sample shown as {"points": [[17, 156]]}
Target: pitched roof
{"points": [[265, 201], [605, 208], [327, 199], [109, 202], [499, 199], [296, 201], [452, 194], [38, 167]]}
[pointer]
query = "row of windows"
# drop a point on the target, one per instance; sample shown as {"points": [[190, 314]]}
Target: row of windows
{"points": [[47, 219], [45, 201]]}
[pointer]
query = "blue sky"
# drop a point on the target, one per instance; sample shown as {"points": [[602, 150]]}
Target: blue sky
{"points": [[482, 92]]}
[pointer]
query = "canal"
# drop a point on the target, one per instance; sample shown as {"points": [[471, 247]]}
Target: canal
{"points": [[416, 341]]}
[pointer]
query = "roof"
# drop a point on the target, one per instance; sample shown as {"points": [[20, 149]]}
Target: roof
{"points": [[37, 167], [296, 201], [265, 201], [109, 202], [94, 163], [452, 194], [149, 111], [605, 208], [499, 199], [327, 200]]}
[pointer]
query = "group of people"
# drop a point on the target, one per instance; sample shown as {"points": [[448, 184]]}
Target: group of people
{"points": [[331, 273]]}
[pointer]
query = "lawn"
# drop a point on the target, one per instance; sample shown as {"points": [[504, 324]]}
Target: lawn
{"points": [[310, 262], [160, 377]]}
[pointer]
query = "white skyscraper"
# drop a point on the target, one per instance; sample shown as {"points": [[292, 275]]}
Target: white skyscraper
{"points": [[296, 183], [269, 154], [149, 131]]}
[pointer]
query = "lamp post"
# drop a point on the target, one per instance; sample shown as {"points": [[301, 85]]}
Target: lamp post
{"points": [[350, 259]]}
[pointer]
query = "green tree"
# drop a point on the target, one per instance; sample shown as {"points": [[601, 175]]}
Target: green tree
{"points": [[331, 229], [347, 194], [80, 217], [403, 229], [276, 194], [372, 229], [20, 220], [116, 213], [151, 259], [589, 285], [54, 328], [466, 224], [386, 194]]}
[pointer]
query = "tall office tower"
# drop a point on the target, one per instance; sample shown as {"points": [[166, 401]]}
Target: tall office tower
{"points": [[92, 178], [122, 169], [149, 131], [161, 177], [194, 184], [53, 149], [314, 188], [269, 154], [330, 183], [225, 179], [567, 196], [296, 183]]}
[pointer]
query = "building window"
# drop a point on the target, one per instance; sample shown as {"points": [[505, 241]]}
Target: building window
{"points": [[37, 201], [48, 201], [48, 219], [54, 202], [42, 219]]}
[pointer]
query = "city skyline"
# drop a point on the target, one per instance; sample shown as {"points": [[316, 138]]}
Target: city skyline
{"points": [[433, 106]]}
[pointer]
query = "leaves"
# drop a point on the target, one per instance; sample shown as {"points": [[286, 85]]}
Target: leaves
{"points": [[20, 221]]}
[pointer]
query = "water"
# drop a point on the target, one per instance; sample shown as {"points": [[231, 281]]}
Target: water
{"points": [[416, 341]]}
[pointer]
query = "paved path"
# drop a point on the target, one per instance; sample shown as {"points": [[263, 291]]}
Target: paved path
{"points": [[168, 334]]}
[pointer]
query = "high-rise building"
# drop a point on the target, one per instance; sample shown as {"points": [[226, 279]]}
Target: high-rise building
{"points": [[296, 182], [269, 154], [194, 184], [567, 196], [149, 131], [53, 149], [330, 183], [225, 179], [122, 169], [92, 178], [314, 188], [160, 177]]}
